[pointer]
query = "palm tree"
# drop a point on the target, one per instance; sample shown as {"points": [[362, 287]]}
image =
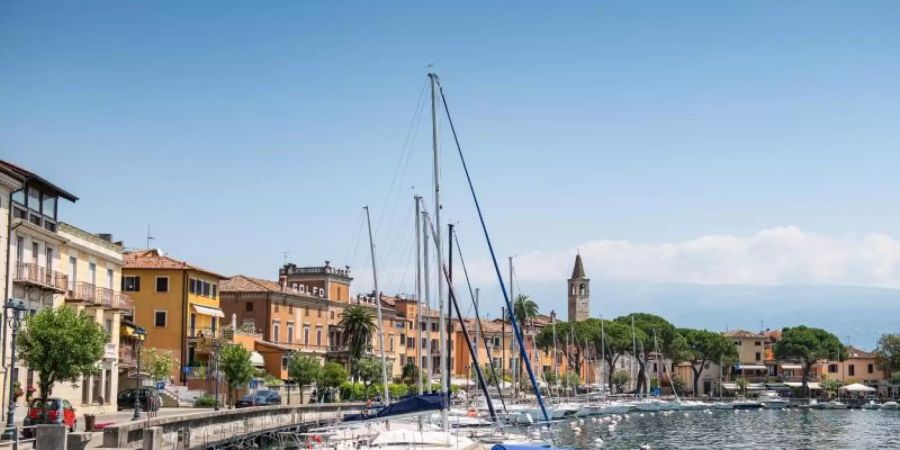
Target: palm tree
{"points": [[358, 324], [525, 310]]}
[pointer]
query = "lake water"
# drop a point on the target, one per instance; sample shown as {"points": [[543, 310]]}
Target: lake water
{"points": [[762, 429]]}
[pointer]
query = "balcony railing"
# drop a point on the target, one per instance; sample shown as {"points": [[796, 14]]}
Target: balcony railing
{"points": [[111, 299], [35, 275], [81, 292]]}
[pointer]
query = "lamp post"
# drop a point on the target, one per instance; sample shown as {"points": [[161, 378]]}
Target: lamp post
{"points": [[139, 335], [15, 312]]}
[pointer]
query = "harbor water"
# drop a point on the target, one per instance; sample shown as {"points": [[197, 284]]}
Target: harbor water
{"points": [[756, 429]]}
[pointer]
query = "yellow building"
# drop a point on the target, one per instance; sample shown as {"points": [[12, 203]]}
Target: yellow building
{"points": [[859, 367], [178, 306]]}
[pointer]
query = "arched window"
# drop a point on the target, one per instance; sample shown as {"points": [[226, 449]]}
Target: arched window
{"points": [[581, 289], [573, 289]]}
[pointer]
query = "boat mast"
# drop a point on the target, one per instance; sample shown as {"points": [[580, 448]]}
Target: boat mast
{"points": [[384, 375], [602, 352], [418, 200], [426, 320], [514, 367], [633, 356], [445, 424]]}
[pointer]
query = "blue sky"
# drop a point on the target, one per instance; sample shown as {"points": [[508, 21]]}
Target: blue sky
{"points": [[239, 130]]}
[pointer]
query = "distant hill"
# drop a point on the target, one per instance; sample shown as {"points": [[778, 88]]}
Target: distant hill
{"points": [[858, 313]]}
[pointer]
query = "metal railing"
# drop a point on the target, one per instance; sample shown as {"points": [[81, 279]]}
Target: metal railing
{"points": [[80, 291], [35, 274]]}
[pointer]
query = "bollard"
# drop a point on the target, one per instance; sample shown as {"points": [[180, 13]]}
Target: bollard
{"points": [[77, 441], [152, 438], [50, 437]]}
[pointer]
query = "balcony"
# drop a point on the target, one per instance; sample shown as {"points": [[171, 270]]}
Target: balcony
{"points": [[113, 300], [81, 292], [30, 274]]}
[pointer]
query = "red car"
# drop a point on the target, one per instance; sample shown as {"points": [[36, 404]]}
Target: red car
{"points": [[58, 411]]}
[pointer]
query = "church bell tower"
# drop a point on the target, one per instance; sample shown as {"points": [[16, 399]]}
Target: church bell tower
{"points": [[579, 293]]}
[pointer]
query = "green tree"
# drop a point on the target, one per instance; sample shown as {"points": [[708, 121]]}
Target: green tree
{"points": [[331, 376], [570, 338], [304, 370], [656, 332], [889, 352], [159, 364], [831, 387], [368, 370], [411, 374], [614, 342], [524, 310], [235, 365], [702, 346], [620, 379], [60, 344], [808, 345], [358, 325]]}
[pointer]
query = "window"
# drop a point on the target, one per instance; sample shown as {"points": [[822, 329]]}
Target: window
{"points": [[214, 290], [35, 252], [109, 278], [832, 368], [159, 319], [410, 343], [757, 343], [851, 370], [290, 332], [291, 309], [390, 342], [306, 310], [92, 273], [206, 290], [131, 284], [496, 342], [306, 335], [49, 253], [193, 288], [73, 272], [162, 284], [319, 336], [248, 306], [871, 368], [422, 326], [758, 356], [434, 326], [276, 331], [276, 307], [284, 362], [402, 340], [332, 315]]}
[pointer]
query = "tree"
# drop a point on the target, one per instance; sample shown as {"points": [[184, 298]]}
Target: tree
{"points": [[60, 344], [525, 310], [808, 345], [411, 374], [657, 332], [571, 338], [703, 346], [358, 325], [159, 364], [368, 370], [742, 383], [614, 342], [234, 361], [889, 352], [303, 370], [331, 376], [620, 379], [831, 387]]}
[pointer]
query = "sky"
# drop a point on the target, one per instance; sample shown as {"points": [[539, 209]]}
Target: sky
{"points": [[699, 143]]}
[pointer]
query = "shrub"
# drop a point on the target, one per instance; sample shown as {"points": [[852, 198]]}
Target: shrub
{"points": [[351, 391], [398, 390], [205, 401]]}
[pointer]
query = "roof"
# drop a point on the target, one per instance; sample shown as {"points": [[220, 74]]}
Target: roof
{"points": [[578, 270], [244, 283], [853, 352], [154, 259], [743, 334], [24, 175]]}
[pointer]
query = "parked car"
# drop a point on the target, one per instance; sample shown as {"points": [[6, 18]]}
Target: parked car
{"points": [[150, 399], [260, 398], [58, 411]]}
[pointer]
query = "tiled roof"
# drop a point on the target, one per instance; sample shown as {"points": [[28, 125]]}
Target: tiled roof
{"points": [[243, 283], [853, 352], [743, 334], [153, 259]]}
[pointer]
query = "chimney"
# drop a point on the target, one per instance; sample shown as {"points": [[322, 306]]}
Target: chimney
{"points": [[105, 236]]}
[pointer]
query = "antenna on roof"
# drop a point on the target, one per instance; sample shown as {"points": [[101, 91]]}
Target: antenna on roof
{"points": [[285, 253], [149, 237]]}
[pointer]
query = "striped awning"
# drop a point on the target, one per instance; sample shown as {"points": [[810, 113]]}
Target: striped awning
{"points": [[207, 311]]}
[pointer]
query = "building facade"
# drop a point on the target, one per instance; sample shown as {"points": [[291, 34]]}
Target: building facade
{"points": [[579, 293]]}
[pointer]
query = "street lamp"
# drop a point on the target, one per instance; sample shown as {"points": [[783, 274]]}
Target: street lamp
{"points": [[15, 312], [139, 336]]}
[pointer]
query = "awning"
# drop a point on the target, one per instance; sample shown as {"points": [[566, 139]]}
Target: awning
{"points": [[792, 367], [796, 384], [207, 311], [777, 386], [257, 360], [755, 387], [856, 387], [750, 367], [730, 386]]}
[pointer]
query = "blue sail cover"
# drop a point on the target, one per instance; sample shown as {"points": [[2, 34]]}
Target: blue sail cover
{"points": [[408, 405], [519, 447]]}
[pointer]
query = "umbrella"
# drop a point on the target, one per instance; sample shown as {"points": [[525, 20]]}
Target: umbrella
{"points": [[856, 387]]}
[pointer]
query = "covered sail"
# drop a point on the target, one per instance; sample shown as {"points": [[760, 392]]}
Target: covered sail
{"points": [[409, 405]]}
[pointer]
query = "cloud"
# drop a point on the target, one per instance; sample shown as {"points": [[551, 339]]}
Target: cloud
{"points": [[775, 256]]}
